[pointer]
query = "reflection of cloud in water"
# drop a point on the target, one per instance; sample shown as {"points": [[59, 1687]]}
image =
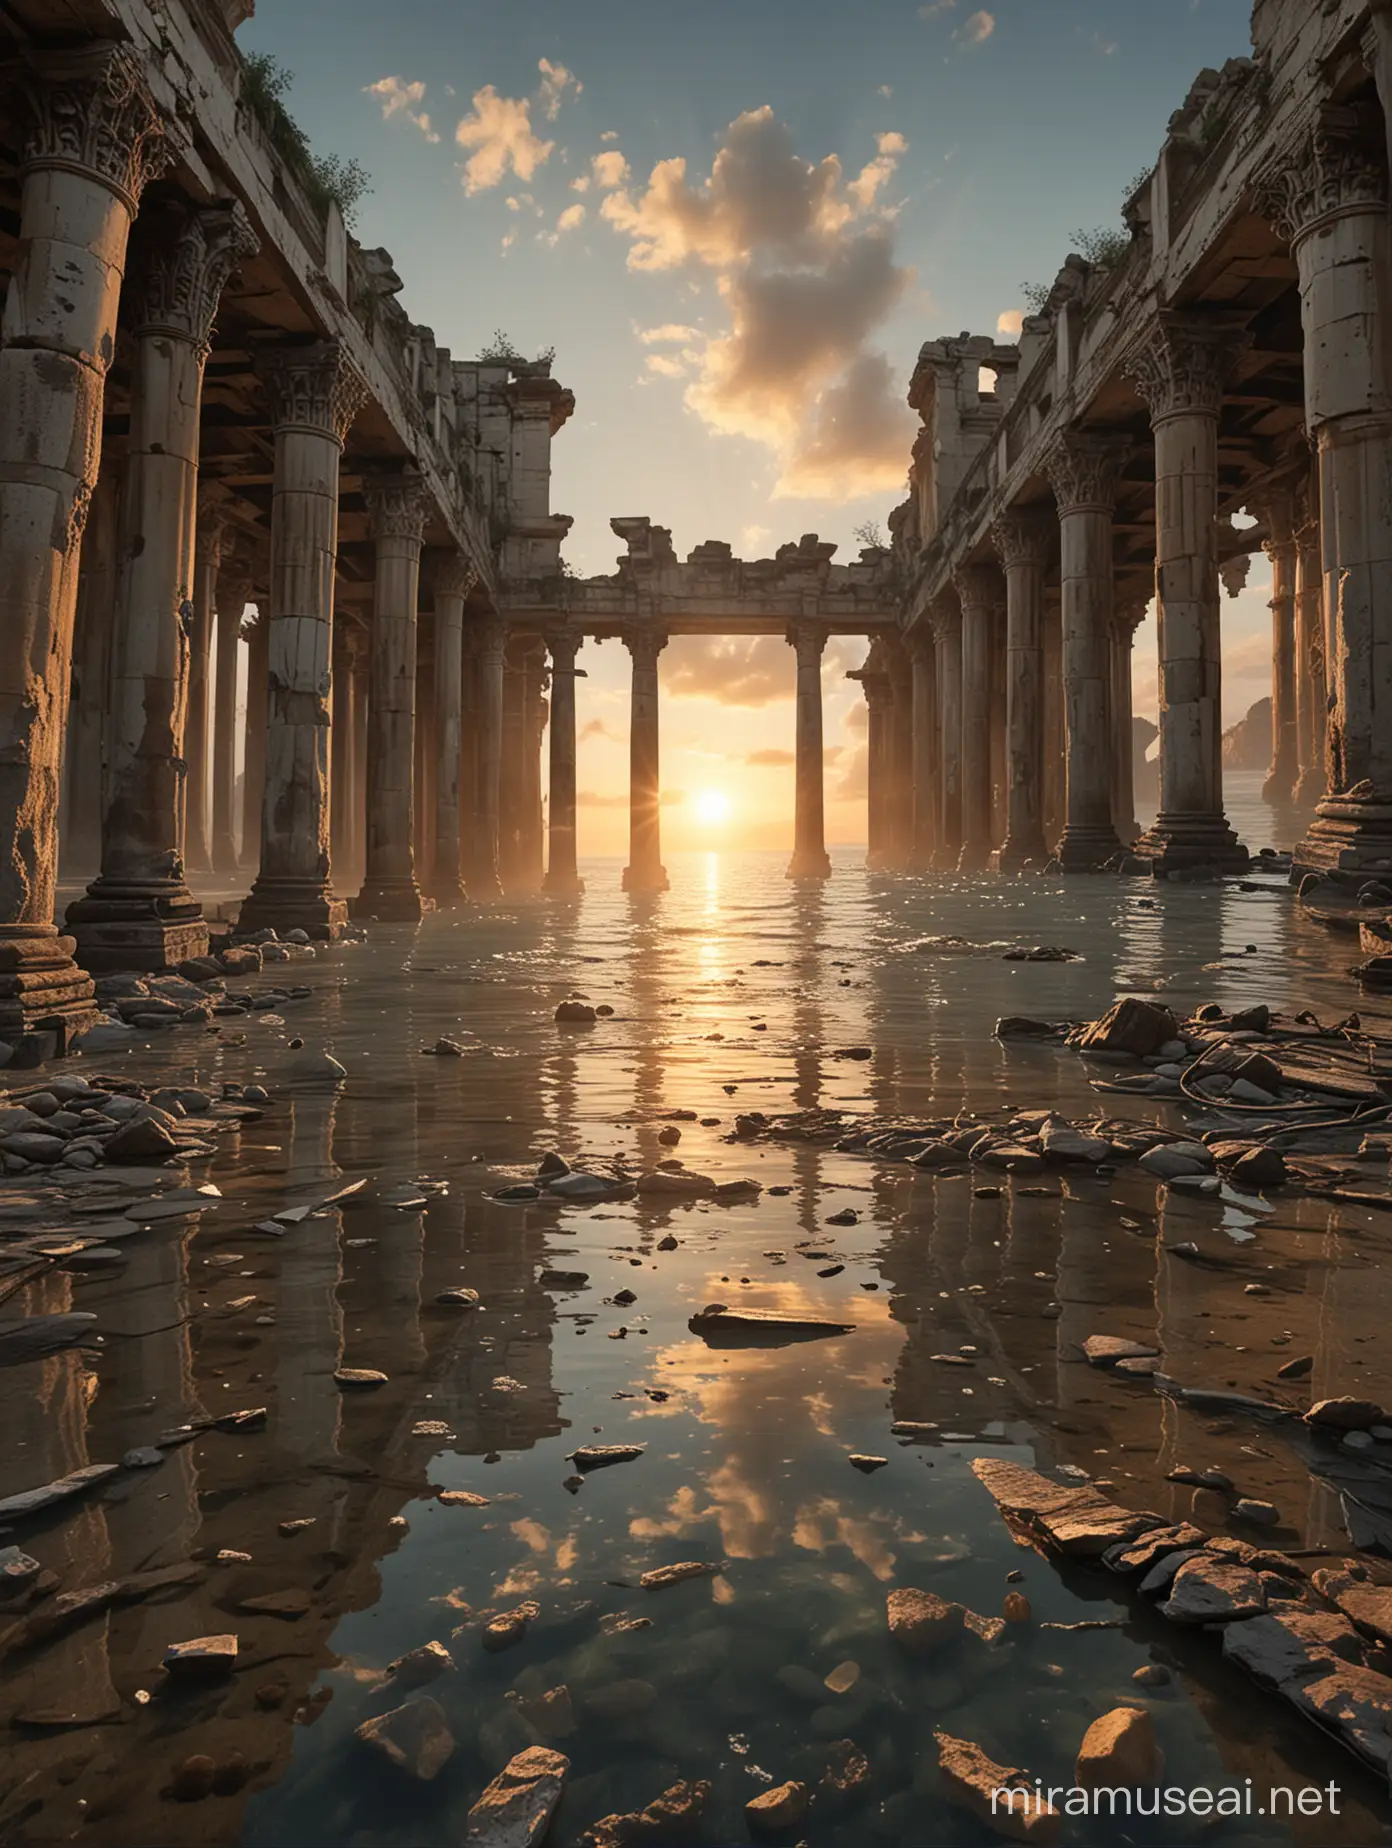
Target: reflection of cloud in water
{"points": [[820, 1524], [819, 1411], [533, 1535]]}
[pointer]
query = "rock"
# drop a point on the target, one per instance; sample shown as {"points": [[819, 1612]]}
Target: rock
{"points": [[291, 1604], [921, 1622], [1154, 1675], [1260, 1168], [1210, 1590], [35, 1147], [1355, 1704], [677, 1811], [445, 1048], [463, 1498], [201, 1657], [866, 1465], [601, 1456], [141, 1139], [1061, 1142], [1140, 1555], [681, 1181], [1137, 1027], [414, 1738], [585, 1187], [358, 1379], [520, 1194], [551, 1714], [17, 1569], [458, 1299], [1363, 1603], [1344, 1414], [1120, 1749], [575, 1014], [193, 1779], [1258, 1513], [778, 1809], [30, 1337], [509, 1627], [420, 1666], [1106, 1350], [516, 1809], [1020, 1026], [1296, 1369], [144, 1456], [971, 1779], [551, 1166], [1075, 1518], [662, 1576], [721, 1326], [1173, 1160], [34, 1501], [317, 1067], [1016, 1608], [1293, 1645]]}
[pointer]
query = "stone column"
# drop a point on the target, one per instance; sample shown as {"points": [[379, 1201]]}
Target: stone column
{"points": [[397, 507], [357, 707], [1125, 623], [810, 858], [454, 579], [198, 722], [257, 634], [341, 766], [1000, 741], [946, 621], [510, 776], [1022, 540], [645, 871], [562, 873], [424, 779], [1083, 472], [531, 842], [92, 141], [492, 647], [1329, 197], [1055, 793], [315, 396], [900, 757], [139, 913], [977, 590], [927, 795], [1278, 511], [1311, 685], [875, 685], [234, 592], [1178, 367], [80, 827]]}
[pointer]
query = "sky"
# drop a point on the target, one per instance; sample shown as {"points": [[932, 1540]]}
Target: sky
{"points": [[737, 222]]}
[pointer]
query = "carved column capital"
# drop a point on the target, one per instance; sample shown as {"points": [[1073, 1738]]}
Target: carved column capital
{"points": [[209, 532], [1337, 165], [181, 258], [491, 640], [1023, 536], [1084, 470], [312, 388], [1276, 510], [808, 640], [234, 592], [396, 506], [1180, 364], [91, 112], [978, 587], [944, 618], [455, 575], [645, 645], [563, 645]]}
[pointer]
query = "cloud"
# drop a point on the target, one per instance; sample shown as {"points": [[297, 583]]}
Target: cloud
{"points": [[665, 366], [571, 218], [610, 134], [737, 670], [752, 537], [671, 333], [610, 169], [770, 760], [599, 728], [1011, 323], [936, 8], [500, 133], [398, 97], [977, 29], [556, 80], [804, 263], [592, 798]]}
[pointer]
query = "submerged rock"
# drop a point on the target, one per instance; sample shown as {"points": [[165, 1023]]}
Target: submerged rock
{"points": [[601, 1456], [414, 1738], [779, 1809], [516, 1809], [420, 1666], [719, 1325], [922, 1622]]}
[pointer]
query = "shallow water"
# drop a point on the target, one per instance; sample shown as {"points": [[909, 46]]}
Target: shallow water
{"points": [[745, 1464]]}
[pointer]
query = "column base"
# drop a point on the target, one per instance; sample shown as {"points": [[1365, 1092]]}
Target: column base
{"points": [[1175, 842], [449, 895], [148, 926], [390, 901], [1018, 856], [646, 879], [973, 859], [945, 858], [294, 904], [41, 986], [562, 884], [810, 863], [1088, 849], [1348, 835]]}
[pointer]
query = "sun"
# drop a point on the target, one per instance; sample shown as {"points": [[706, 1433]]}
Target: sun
{"points": [[712, 806]]}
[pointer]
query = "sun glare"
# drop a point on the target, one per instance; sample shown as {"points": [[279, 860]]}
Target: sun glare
{"points": [[712, 807]]}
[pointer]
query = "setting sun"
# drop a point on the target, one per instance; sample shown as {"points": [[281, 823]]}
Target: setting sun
{"points": [[711, 806]]}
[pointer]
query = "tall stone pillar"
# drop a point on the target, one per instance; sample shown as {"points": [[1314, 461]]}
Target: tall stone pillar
{"points": [[1083, 472], [1278, 512], [1311, 683], [977, 592], [1000, 738], [342, 768], [486, 883], [562, 870], [423, 773], [198, 724], [511, 773], [80, 827], [1125, 622], [139, 913], [234, 592], [900, 756], [315, 396], [927, 795], [531, 841], [93, 141], [645, 871], [1055, 793], [454, 579], [1022, 540], [946, 620], [258, 696], [875, 685], [1329, 197], [810, 858], [357, 706], [397, 507], [1179, 366]]}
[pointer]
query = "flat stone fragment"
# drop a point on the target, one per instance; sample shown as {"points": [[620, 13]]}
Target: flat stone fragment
{"points": [[1366, 1604], [463, 1498], [865, 1464], [1294, 1645], [1353, 1703], [676, 1812], [516, 1809], [414, 1738], [661, 1576], [970, 1778], [1140, 1555], [922, 1622], [358, 1379], [1344, 1414], [16, 1568], [1090, 1532], [779, 1809], [201, 1656], [717, 1322], [30, 1337], [289, 1604], [1106, 1350], [419, 1666], [601, 1456], [34, 1501], [1121, 1749], [1209, 1590], [682, 1182]]}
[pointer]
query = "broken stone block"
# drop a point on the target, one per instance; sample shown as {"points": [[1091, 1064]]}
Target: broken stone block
{"points": [[516, 1809], [970, 1778], [1345, 1414], [1137, 1027], [414, 1738], [1365, 1604], [1106, 1350], [1209, 1590], [1294, 1645], [1353, 1703], [779, 1809], [1120, 1748], [201, 1657], [922, 1622]]}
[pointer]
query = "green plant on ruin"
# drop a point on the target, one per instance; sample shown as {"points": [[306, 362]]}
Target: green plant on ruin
{"points": [[325, 177], [500, 351], [1103, 247]]}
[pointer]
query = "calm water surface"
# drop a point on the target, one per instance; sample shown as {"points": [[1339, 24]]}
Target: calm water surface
{"points": [[731, 992]]}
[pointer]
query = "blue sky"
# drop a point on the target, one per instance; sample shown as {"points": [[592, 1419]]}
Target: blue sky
{"points": [[970, 141]]}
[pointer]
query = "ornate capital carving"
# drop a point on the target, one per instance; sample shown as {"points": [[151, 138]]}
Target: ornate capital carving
{"points": [[92, 113], [213, 521], [234, 592], [396, 506], [808, 639], [182, 256], [918, 642], [455, 576], [1023, 536], [1338, 165], [563, 645], [978, 588], [491, 639], [1126, 619], [645, 645], [1276, 510], [1084, 471], [944, 619], [1180, 363], [312, 388]]}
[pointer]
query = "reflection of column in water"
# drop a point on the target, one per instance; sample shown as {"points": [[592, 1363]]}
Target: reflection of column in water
{"points": [[645, 986], [1348, 1327], [560, 1071], [909, 1270], [1182, 933], [809, 976], [43, 1435], [309, 1320]]}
